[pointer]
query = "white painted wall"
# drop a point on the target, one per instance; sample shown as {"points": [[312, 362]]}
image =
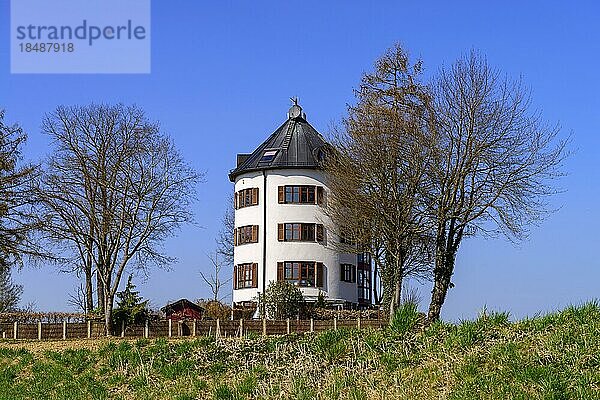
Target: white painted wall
{"points": [[289, 251]]}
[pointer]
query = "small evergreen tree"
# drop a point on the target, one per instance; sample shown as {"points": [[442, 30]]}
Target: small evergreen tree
{"points": [[10, 292], [131, 308]]}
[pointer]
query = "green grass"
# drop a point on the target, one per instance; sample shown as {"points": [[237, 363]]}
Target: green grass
{"points": [[555, 356]]}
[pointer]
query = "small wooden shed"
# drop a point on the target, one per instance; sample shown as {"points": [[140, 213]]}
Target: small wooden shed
{"points": [[183, 309]]}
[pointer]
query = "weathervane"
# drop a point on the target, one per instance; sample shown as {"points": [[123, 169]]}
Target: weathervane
{"points": [[294, 100]]}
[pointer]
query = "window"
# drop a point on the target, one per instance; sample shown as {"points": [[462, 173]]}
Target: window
{"points": [[348, 273], [302, 232], [301, 273], [301, 194], [245, 234], [245, 198], [364, 277], [364, 284], [245, 276], [268, 156]]}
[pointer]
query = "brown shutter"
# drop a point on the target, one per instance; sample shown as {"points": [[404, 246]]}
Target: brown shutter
{"points": [[320, 233], [280, 232], [281, 194], [319, 274], [254, 275], [279, 271], [235, 201], [254, 233], [235, 237], [320, 195], [235, 276], [254, 196]]}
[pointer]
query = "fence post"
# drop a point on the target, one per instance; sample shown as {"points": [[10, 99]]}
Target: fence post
{"points": [[241, 327], [170, 328], [287, 326], [264, 327], [15, 330], [123, 328], [194, 327], [64, 330], [89, 328], [39, 330], [358, 323], [312, 325], [218, 329], [335, 323], [3, 335], [146, 329]]}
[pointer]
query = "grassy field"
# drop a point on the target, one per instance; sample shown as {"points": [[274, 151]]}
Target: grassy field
{"points": [[556, 356]]}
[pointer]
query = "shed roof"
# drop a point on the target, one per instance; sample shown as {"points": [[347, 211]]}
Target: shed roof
{"points": [[182, 303], [295, 144]]}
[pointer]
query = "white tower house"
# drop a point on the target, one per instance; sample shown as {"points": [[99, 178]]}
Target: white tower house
{"points": [[281, 229]]}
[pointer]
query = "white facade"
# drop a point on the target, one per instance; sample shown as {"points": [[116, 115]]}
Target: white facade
{"points": [[281, 251]]}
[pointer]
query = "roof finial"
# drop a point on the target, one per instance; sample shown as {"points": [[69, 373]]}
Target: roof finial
{"points": [[295, 110]]}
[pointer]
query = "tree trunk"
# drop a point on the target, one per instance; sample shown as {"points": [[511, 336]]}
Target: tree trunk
{"points": [[89, 290], [108, 307], [442, 275], [100, 292]]}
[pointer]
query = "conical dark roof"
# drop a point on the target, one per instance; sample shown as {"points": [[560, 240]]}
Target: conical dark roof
{"points": [[295, 144]]}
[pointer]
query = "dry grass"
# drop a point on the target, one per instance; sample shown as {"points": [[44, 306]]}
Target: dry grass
{"points": [[551, 357]]}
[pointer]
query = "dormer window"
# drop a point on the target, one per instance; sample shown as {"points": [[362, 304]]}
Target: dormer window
{"points": [[268, 156]]}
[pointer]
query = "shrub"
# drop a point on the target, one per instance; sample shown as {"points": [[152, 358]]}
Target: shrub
{"points": [[282, 300]]}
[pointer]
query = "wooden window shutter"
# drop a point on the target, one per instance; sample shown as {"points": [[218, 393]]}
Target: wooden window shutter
{"points": [[254, 275], [235, 201], [280, 232], [319, 274], [254, 196], [320, 195], [320, 233], [235, 276], [235, 236], [279, 271], [254, 233], [281, 194]]}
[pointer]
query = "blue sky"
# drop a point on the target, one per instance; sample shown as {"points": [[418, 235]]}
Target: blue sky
{"points": [[222, 75]]}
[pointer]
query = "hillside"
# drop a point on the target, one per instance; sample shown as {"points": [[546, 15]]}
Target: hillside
{"points": [[556, 356]]}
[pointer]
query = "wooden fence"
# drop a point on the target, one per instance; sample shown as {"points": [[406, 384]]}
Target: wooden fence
{"points": [[170, 328]]}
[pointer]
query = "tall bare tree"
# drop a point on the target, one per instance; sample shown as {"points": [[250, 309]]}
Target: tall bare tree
{"points": [[225, 236], [18, 222], [114, 188], [377, 170], [494, 163]]}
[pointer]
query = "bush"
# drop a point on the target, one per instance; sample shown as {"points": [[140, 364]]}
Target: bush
{"points": [[215, 309], [282, 300]]}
